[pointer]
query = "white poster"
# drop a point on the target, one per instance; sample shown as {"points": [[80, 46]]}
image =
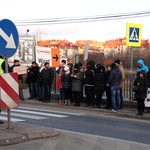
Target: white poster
{"points": [[20, 69], [43, 54], [147, 99]]}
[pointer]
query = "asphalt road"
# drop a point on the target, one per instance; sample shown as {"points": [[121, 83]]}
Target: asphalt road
{"points": [[82, 122]]}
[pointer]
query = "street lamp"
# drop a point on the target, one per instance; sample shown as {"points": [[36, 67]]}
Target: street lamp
{"points": [[27, 32]]}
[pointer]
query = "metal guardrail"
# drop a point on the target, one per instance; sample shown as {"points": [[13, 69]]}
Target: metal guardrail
{"points": [[126, 89]]}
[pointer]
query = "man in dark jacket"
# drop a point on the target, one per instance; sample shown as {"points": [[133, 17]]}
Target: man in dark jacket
{"points": [[114, 83], [32, 75], [89, 84], [47, 78]]}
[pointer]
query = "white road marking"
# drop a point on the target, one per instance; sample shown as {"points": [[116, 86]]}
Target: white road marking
{"points": [[39, 113]]}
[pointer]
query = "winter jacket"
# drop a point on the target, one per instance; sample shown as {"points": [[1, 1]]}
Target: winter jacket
{"points": [[114, 77], [59, 82], [32, 74], [66, 81], [47, 76], [142, 83], [89, 77], [77, 82], [99, 81], [143, 68]]}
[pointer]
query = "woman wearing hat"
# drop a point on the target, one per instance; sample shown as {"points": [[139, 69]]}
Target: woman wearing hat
{"points": [[140, 86]]}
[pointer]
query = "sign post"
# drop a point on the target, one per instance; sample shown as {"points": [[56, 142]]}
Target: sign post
{"points": [[8, 45], [133, 39], [86, 47]]}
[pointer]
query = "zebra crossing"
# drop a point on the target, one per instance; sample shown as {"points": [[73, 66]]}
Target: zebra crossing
{"points": [[22, 114]]}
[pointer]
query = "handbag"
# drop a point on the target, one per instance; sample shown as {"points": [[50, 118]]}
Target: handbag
{"points": [[135, 88]]}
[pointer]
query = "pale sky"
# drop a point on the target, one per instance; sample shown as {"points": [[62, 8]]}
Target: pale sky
{"points": [[20, 10]]}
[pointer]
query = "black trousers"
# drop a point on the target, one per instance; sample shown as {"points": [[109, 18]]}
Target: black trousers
{"points": [[77, 97], [90, 95], [108, 96], [140, 104], [99, 94]]}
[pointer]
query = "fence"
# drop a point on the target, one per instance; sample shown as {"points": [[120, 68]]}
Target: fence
{"points": [[126, 89]]}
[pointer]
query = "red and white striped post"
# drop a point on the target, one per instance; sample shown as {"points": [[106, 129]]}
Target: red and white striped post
{"points": [[9, 92]]}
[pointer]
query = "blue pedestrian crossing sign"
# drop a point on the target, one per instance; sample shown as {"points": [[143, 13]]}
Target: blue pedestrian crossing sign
{"points": [[133, 34], [9, 38]]}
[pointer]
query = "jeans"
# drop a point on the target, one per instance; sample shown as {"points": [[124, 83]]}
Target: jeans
{"points": [[61, 94], [115, 97]]}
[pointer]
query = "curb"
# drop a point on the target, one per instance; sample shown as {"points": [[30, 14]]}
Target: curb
{"points": [[11, 137]]}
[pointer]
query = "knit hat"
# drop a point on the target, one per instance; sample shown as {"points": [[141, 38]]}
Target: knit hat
{"points": [[117, 61], [142, 72], [16, 60], [76, 66], [46, 63], [33, 62], [66, 68]]}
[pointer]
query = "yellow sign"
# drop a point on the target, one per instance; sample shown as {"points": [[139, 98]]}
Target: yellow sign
{"points": [[55, 57], [133, 34]]}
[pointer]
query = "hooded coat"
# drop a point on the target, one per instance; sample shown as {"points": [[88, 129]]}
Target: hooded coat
{"points": [[142, 83], [143, 66]]}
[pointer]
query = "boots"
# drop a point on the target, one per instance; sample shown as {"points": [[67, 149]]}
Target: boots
{"points": [[66, 102], [62, 102]]}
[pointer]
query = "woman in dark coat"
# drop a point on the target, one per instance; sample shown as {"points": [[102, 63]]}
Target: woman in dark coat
{"points": [[77, 84], [140, 86]]}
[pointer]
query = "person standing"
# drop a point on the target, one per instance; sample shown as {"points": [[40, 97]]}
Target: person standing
{"points": [[89, 84], [114, 83], [148, 77], [39, 83], [99, 85], [120, 66], [140, 86], [20, 79], [61, 66], [60, 88], [2, 71], [47, 78], [77, 84], [66, 82], [107, 88], [33, 72]]}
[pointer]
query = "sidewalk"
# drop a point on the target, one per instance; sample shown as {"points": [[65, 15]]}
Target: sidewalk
{"points": [[21, 132]]}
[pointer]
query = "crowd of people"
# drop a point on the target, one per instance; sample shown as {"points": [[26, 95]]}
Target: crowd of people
{"points": [[73, 81], [94, 79]]}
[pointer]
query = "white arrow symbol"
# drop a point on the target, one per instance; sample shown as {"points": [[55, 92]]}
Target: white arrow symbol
{"points": [[9, 40]]}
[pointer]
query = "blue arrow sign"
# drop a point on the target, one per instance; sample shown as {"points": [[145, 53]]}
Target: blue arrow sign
{"points": [[9, 38]]}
